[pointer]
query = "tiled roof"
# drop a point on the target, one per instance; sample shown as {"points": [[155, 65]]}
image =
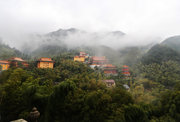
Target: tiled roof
{"points": [[126, 86], [109, 81], [17, 59], [98, 58], [125, 66], [45, 59], [82, 53], [109, 65], [4, 62]]}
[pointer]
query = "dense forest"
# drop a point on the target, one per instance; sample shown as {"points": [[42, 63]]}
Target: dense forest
{"points": [[73, 92]]}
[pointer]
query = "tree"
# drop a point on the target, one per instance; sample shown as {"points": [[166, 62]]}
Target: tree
{"points": [[166, 73], [160, 53]]}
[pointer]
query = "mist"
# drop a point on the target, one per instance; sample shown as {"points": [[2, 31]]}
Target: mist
{"points": [[75, 38], [25, 24]]}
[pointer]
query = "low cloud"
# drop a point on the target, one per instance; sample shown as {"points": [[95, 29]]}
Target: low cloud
{"points": [[73, 38], [141, 20]]}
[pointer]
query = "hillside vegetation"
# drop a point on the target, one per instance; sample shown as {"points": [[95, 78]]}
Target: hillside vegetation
{"points": [[160, 53], [7, 52], [172, 42], [73, 92]]}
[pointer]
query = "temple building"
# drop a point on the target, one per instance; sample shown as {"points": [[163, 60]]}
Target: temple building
{"points": [[125, 70], [96, 61], [45, 63], [84, 54], [109, 69], [82, 57], [16, 61], [126, 87], [109, 83], [4, 65], [79, 58]]}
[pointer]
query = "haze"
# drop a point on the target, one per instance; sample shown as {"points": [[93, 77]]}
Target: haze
{"points": [[143, 18]]}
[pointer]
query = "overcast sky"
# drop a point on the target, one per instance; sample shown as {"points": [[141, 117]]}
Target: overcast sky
{"points": [[142, 17]]}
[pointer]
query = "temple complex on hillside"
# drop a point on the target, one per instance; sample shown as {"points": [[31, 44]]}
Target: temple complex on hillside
{"points": [[96, 61], [125, 70], [109, 69], [4, 65], [16, 61], [109, 83], [45, 63]]}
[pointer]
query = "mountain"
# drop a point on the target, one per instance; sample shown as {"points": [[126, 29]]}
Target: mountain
{"points": [[95, 43], [59, 41], [7, 52], [160, 53], [63, 32], [66, 32], [173, 42]]}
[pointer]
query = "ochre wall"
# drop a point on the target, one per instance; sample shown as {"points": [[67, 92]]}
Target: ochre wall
{"points": [[45, 65], [81, 59]]}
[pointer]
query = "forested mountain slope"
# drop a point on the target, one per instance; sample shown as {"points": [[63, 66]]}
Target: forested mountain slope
{"points": [[173, 42], [160, 53], [7, 52]]}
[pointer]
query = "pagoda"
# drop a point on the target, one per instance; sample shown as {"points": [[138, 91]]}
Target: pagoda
{"points": [[45, 63], [97, 61], [16, 61], [109, 69], [125, 71]]}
